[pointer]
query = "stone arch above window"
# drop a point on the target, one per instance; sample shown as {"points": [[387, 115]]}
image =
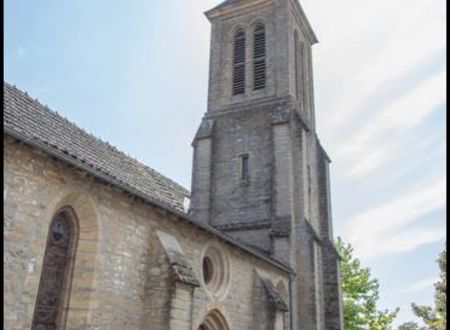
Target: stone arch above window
{"points": [[79, 205], [214, 321], [50, 310]]}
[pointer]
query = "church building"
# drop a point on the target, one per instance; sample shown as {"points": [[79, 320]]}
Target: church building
{"points": [[93, 239]]}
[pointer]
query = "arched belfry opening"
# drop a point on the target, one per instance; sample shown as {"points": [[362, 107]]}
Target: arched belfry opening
{"points": [[214, 321], [51, 306], [239, 62], [259, 56]]}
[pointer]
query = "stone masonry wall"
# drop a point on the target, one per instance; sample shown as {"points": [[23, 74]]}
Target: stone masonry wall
{"points": [[233, 201], [121, 275]]}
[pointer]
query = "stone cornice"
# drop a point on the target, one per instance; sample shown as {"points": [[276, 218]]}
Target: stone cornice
{"points": [[247, 105], [304, 22], [225, 10], [279, 227], [145, 198], [322, 150], [236, 226], [205, 130], [329, 245], [313, 231]]}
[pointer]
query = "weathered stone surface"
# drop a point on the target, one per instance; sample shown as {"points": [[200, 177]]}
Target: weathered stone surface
{"points": [[138, 260], [121, 277], [288, 169]]}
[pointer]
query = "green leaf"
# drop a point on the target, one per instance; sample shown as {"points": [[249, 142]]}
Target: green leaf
{"points": [[361, 294]]}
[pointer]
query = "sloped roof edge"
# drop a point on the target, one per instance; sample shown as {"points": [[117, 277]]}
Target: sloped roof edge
{"points": [[101, 175]]}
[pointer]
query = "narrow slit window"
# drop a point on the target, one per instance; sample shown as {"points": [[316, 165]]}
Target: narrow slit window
{"points": [[239, 63], [309, 181], [297, 64], [259, 57], [302, 80], [309, 189], [317, 282], [245, 170]]}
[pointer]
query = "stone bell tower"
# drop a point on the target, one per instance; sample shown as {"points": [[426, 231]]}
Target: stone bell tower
{"points": [[259, 171]]}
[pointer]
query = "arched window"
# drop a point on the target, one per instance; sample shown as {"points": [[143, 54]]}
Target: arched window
{"points": [[54, 285], [297, 64], [239, 63], [259, 57], [214, 321]]}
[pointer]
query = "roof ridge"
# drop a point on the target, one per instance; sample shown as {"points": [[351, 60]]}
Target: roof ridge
{"points": [[43, 142], [120, 157]]}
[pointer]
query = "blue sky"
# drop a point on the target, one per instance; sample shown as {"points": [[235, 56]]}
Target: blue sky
{"points": [[134, 73]]}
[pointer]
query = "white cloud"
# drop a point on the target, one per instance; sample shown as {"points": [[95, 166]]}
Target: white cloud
{"points": [[364, 152], [366, 160], [382, 230], [424, 284], [403, 241], [412, 108], [403, 210], [361, 52], [410, 43]]}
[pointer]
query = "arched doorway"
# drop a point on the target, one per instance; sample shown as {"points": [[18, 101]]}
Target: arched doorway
{"points": [[214, 321], [54, 287]]}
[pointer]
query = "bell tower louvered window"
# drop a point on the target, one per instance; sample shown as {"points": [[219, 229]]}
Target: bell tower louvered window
{"points": [[259, 57], [239, 63]]}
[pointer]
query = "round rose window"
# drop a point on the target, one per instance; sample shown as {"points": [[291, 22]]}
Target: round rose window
{"points": [[216, 271]]}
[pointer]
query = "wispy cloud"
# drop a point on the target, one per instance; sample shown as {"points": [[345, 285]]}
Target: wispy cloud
{"points": [[404, 241], [424, 284], [383, 230], [367, 149], [380, 53]]}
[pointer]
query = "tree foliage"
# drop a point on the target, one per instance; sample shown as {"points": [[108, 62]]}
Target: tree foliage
{"points": [[410, 326], [361, 294], [435, 318]]}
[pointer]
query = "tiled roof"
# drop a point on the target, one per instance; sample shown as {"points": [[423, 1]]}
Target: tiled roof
{"points": [[28, 118]]}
